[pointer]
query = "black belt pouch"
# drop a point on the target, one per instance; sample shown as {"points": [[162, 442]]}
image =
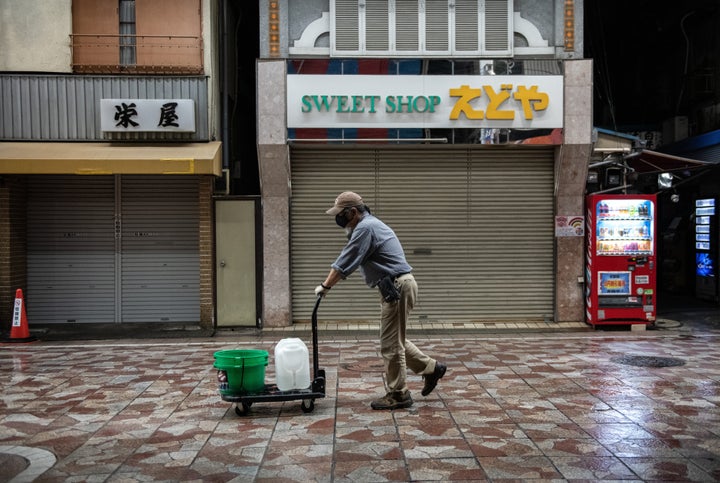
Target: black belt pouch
{"points": [[388, 290]]}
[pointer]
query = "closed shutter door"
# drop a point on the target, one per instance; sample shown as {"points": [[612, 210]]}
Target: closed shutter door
{"points": [[71, 249], [317, 178], [160, 249], [511, 212], [476, 225]]}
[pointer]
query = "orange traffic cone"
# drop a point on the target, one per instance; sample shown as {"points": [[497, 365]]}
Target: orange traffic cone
{"points": [[20, 331]]}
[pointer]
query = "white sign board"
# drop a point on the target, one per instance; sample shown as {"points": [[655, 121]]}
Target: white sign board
{"points": [[145, 115], [569, 226], [348, 101]]}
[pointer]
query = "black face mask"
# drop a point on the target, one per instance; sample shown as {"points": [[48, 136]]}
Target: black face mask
{"points": [[341, 219]]}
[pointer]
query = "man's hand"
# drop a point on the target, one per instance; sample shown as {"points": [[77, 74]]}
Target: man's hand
{"points": [[321, 290]]}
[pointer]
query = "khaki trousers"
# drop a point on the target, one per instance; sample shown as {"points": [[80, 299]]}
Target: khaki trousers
{"points": [[397, 352]]}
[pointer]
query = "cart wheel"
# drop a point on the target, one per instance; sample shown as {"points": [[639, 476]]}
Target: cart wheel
{"points": [[307, 405], [245, 408]]}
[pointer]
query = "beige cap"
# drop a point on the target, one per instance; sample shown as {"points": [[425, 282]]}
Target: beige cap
{"points": [[346, 199]]}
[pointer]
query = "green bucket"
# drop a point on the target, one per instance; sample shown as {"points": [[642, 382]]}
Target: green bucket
{"points": [[245, 369]]}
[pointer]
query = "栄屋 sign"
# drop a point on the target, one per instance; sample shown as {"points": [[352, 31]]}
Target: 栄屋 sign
{"points": [[147, 115]]}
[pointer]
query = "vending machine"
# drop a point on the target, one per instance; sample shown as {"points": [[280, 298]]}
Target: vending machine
{"points": [[621, 264], [707, 240]]}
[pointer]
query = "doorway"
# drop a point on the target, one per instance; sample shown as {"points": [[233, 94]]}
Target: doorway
{"points": [[235, 267]]}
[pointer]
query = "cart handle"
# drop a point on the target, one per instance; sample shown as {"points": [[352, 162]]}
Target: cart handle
{"points": [[315, 337], [315, 309]]}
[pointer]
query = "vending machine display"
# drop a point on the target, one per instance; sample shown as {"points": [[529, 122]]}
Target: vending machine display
{"points": [[706, 249], [620, 274]]}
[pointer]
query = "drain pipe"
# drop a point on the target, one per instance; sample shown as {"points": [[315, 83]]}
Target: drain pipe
{"points": [[226, 177], [224, 76]]}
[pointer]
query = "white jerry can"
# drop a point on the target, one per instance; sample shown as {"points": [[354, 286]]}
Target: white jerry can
{"points": [[292, 364]]}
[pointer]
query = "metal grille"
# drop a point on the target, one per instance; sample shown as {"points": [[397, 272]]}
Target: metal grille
{"points": [[65, 107], [648, 361], [466, 25], [430, 28], [376, 20], [406, 25], [347, 28], [497, 26], [436, 25], [127, 32], [476, 225]]}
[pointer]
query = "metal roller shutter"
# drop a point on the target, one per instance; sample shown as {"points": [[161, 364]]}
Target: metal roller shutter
{"points": [[317, 178], [71, 249], [511, 213], [160, 249], [106, 249], [476, 225]]}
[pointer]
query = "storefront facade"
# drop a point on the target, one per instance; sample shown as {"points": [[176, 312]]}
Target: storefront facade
{"points": [[466, 126], [126, 244], [109, 153], [479, 222]]}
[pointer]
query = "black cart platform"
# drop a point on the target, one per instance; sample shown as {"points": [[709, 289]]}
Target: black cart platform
{"points": [[271, 393]]}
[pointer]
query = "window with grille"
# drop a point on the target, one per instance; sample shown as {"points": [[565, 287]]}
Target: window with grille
{"points": [[401, 28], [137, 36]]}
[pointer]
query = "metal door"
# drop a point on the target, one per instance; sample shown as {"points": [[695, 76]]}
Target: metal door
{"points": [[159, 270], [235, 262], [476, 224], [71, 249], [105, 249]]}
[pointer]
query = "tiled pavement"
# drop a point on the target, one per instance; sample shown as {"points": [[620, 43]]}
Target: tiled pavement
{"points": [[553, 405]]}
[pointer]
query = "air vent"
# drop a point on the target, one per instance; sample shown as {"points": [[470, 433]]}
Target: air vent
{"points": [[424, 28]]}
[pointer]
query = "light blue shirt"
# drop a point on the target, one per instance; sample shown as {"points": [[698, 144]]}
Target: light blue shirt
{"points": [[375, 249]]}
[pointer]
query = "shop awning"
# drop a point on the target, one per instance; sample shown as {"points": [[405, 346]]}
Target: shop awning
{"points": [[110, 158], [555, 137], [647, 161]]}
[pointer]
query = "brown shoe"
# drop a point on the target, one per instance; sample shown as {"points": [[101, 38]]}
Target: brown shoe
{"points": [[431, 380], [393, 400]]}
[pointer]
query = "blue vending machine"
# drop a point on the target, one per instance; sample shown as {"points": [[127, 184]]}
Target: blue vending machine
{"points": [[707, 241]]}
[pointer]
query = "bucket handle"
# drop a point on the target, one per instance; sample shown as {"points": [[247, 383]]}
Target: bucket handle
{"points": [[242, 374]]}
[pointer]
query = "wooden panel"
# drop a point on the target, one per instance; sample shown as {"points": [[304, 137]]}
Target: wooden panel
{"points": [[95, 32], [169, 33]]}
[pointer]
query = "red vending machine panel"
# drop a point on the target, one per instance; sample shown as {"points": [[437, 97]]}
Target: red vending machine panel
{"points": [[621, 267]]}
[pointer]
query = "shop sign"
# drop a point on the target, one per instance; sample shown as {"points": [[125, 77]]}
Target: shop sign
{"points": [[147, 115], [614, 283], [570, 226], [351, 101]]}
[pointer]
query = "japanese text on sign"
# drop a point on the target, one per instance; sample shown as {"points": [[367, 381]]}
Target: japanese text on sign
{"points": [[156, 115], [17, 313], [614, 283]]}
